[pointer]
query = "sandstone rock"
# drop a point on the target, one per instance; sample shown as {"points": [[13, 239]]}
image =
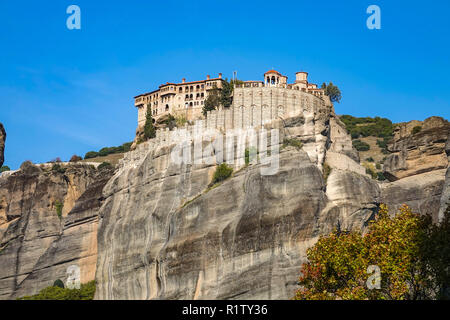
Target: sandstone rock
{"points": [[2, 143], [413, 154], [37, 246], [421, 192], [164, 235], [445, 198]]}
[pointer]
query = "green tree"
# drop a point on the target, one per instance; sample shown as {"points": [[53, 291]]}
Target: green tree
{"points": [[411, 252], [226, 94], [332, 91], [4, 168], [149, 128], [212, 101]]}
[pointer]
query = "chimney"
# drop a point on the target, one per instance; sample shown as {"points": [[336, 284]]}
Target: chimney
{"points": [[183, 80], [208, 77], [220, 76]]}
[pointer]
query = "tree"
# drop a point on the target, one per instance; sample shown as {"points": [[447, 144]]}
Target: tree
{"points": [[213, 100], [75, 158], [4, 168], [226, 94], [410, 251], [332, 91], [149, 128]]}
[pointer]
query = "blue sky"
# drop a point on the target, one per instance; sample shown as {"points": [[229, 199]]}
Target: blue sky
{"points": [[65, 92]]}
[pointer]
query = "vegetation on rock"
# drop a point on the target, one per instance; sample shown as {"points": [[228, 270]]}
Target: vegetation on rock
{"points": [[4, 168], [411, 252], [333, 92], [108, 150], [222, 173], [55, 292], [364, 127], [360, 145], [416, 129]]}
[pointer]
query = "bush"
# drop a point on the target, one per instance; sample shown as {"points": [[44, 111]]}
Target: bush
{"points": [[360, 146], [56, 160], [380, 176], [377, 127], [58, 168], [222, 173], [372, 173], [370, 159], [59, 208], [293, 143], [86, 292], [4, 168], [326, 171], [75, 158], [58, 283], [247, 154], [104, 165], [416, 129], [378, 166], [90, 155]]}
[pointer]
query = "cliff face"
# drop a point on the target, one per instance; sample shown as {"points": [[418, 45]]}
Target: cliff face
{"points": [[2, 143], [417, 153], [154, 229], [445, 199], [36, 245], [164, 235]]}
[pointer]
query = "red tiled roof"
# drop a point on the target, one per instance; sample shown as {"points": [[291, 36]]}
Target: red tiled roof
{"points": [[273, 71]]}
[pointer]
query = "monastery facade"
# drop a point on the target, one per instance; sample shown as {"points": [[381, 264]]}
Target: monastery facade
{"points": [[254, 102]]}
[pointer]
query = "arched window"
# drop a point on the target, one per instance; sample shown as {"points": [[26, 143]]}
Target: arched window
{"points": [[198, 87], [191, 96], [190, 104], [167, 107]]}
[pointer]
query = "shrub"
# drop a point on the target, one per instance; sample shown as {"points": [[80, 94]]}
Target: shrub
{"points": [[326, 171], [180, 120], [59, 168], [86, 292], [380, 176], [247, 154], [293, 143], [370, 159], [416, 129], [222, 173], [372, 173], [378, 166], [56, 160], [104, 165], [360, 145], [58, 283], [377, 127], [59, 207], [75, 158], [90, 155], [4, 168]]}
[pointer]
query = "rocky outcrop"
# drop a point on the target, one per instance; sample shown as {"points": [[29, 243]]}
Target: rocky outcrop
{"points": [[445, 198], [416, 153], [164, 234], [2, 143], [38, 241]]}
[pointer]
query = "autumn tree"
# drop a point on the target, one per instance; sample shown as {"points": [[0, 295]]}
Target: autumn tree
{"points": [[411, 253], [333, 92]]}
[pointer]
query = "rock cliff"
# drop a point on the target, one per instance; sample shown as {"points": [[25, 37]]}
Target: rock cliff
{"points": [[157, 229], [416, 153], [2, 143], [38, 241], [165, 235]]}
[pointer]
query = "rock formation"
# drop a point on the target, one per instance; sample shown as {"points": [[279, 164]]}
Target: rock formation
{"points": [[2, 143], [157, 229], [38, 242], [417, 153], [445, 199]]}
